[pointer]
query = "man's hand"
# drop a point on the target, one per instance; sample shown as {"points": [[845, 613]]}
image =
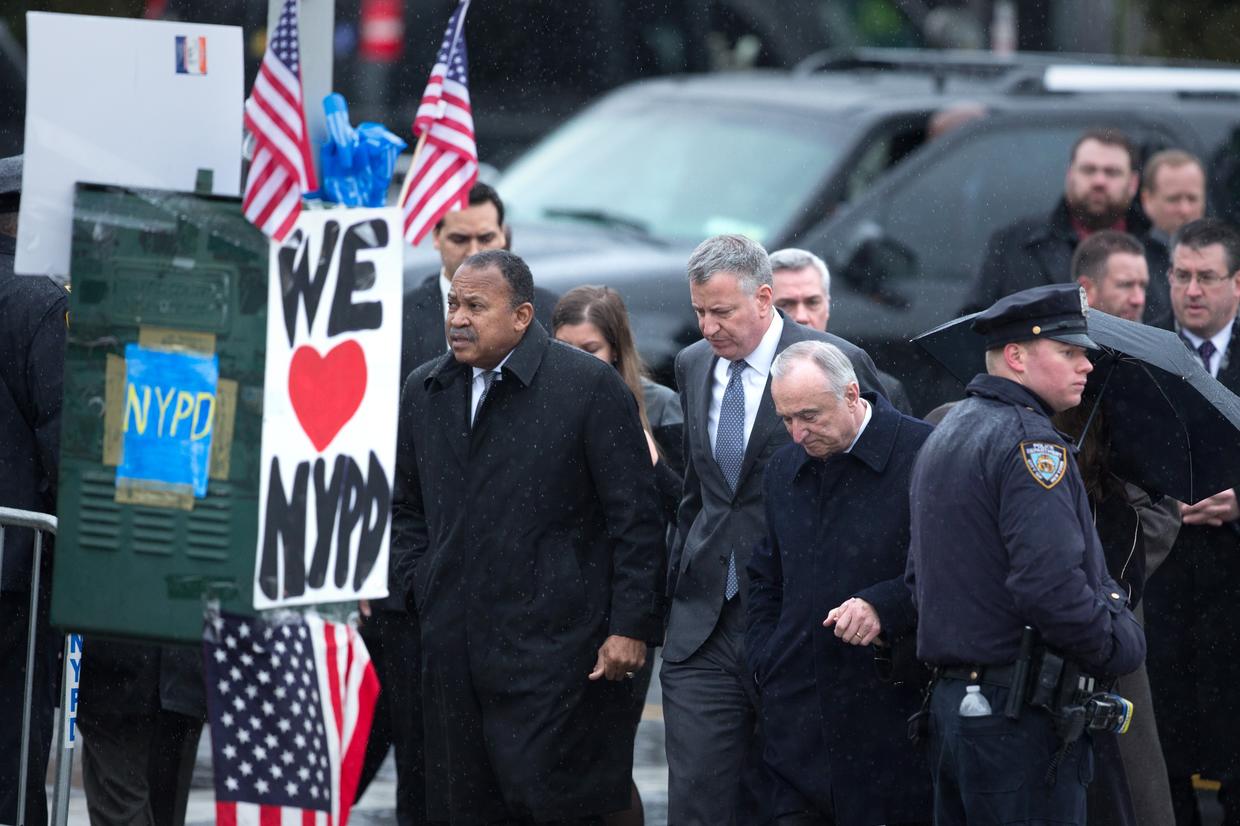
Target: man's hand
{"points": [[856, 622], [1214, 510], [619, 658], [363, 605]]}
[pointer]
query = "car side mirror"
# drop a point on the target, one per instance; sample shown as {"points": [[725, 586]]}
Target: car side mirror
{"points": [[878, 266]]}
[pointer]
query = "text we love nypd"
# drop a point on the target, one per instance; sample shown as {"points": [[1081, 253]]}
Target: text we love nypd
{"points": [[330, 409]]}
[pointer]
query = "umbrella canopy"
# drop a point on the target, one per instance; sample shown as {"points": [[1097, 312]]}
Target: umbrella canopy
{"points": [[1174, 429]]}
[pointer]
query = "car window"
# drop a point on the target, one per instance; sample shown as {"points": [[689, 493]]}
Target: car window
{"points": [[883, 151], [682, 172], [946, 214]]}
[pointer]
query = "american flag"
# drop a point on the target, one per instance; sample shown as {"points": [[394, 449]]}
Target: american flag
{"points": [[281, 170], [447, 167], [290, 706]]}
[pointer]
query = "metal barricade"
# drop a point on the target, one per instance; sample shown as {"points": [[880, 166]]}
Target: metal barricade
{"points": [[41, 523]]}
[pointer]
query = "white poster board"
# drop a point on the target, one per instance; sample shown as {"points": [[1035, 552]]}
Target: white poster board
{"points": [[330, 409], [113, 100]]}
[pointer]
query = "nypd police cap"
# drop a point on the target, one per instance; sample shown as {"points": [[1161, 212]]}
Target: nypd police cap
{"points": [[1055, 311]]}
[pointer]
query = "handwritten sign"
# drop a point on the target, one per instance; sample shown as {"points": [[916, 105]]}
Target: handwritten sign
{"points": [[169, 409], [330, 409]]}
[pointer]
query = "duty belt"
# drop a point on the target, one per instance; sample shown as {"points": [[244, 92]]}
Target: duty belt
{"points": [[996, 675]]}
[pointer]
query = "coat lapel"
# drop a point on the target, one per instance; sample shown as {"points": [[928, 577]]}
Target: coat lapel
{"points": [[448, 387], [1229, 370]]}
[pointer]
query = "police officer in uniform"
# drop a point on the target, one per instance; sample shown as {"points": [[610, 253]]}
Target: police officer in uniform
{"points": [[1002, 539]]}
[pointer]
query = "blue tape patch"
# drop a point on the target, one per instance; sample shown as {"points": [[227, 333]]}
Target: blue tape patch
{"points": [[169, 410]]}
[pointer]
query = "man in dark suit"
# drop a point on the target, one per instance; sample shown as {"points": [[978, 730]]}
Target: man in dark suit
{"points": [[391, 634], [1191, 607], [731, 429], [526, 536], [1098, 194], [32, 355], [457, 236], [825, 585]]}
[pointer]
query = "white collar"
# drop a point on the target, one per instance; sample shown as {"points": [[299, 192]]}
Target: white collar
{"points": [[444, 286], [763, 355], [1221, 339], [869, 411], [478, 371]]}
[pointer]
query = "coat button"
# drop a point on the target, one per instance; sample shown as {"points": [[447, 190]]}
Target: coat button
{"points": [[723, 560]]}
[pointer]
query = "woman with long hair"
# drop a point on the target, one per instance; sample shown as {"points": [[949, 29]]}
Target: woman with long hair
{"points": [[595, 320]]}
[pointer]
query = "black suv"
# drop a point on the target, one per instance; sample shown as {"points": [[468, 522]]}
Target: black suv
{"points": [[835, 160]]}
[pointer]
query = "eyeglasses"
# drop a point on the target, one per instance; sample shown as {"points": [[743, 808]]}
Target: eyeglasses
{"points": [[1207, 279]]}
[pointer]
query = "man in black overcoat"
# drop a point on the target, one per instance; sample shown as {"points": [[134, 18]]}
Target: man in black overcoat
{"points": [[1191, 615], [1099, 187], [526, 536], [390, 632], [32, 355], [826, 593]]}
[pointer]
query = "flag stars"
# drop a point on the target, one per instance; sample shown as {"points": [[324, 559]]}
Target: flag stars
{"points": [[245, 768], [283, 725], [271, 741], [239, 704], [220, 655], [229, 751], [268, 708], [261, 786], [260, 753], [231, 784], [264, 677], [291, 788], [235, 673]]}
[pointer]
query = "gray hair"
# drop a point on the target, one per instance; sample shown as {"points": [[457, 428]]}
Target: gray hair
{"points": [[736, 254], [792, 258], [828, 358]]}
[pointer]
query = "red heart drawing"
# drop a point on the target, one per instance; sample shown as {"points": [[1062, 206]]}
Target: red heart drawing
{"points": [[326, 390]]}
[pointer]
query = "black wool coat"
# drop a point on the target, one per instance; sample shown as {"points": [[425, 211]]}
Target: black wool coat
{"points": [[835, 734], [1193, 625], [1031, 252], [522, 545]]}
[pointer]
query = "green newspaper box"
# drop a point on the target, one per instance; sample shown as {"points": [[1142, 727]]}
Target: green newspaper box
{"points": [[162, 413]]}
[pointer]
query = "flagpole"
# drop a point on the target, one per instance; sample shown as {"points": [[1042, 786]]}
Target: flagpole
{"points": [[413, 162]]}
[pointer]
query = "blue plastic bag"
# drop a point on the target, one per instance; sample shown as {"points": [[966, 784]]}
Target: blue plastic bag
{"points": [[356, 165]]}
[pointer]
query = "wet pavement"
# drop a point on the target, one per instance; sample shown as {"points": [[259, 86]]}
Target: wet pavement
{"points": [[377, 807]]}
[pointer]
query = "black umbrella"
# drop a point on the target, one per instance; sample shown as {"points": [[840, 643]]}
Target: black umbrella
{"points": [[1174, 429]]}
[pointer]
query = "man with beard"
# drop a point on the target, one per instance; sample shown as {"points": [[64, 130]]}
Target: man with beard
{"points": [[1098, 194]]}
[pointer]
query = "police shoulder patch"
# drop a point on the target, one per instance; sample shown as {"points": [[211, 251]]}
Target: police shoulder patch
{"points": [[1046, 461]]}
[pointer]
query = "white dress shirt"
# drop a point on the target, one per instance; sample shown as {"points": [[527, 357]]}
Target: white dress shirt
{"points": [[444, 286], [1221, 339], [869, 411], [753, 379], [475, 389]]}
